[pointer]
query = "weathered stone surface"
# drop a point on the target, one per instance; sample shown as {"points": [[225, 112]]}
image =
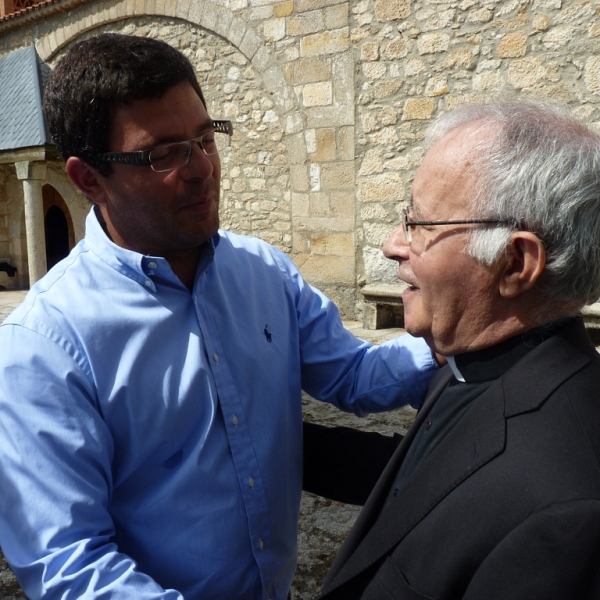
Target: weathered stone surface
{"points": [[480, 15], [339, 244], [305, 23], [513, 45], [274, 30], [558, 37], [384, 89], [309, 70], [432, 43], [326, 145], [323, 269], [305, 5], [418, 108], [317, 94], [327, 42], [390, 10], [592, 74], [526, 72], [336, 17], [397, 48], [437, 86], [283, 9], [381, 188], [337, 176], [369, 51]]}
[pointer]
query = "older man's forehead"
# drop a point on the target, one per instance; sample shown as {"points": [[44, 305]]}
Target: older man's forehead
{"points": [[414, 208]]}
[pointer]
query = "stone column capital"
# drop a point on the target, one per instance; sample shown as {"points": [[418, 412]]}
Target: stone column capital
{"points": [[30, 170]]}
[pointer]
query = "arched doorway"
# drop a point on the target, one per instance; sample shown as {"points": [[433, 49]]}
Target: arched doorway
{"points": [[58, 226], [57, 236]]}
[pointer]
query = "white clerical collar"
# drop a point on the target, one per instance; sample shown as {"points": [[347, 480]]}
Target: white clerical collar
{"points": [[454, 368]]}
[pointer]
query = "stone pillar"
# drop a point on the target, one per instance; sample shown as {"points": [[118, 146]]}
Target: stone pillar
{"points": [[33, 176]]}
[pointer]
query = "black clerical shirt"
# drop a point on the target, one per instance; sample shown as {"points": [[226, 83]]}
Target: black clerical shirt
{"points": [[474, 372]]}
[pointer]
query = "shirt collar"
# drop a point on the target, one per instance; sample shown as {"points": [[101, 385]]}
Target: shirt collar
{"points": [[139, 267], [490, 363]]}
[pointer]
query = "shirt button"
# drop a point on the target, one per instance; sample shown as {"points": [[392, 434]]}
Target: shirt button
{"points": [[234, 419], [251, 482], [216, 357], [261, 544], [152, 265], [428, 425], [148, 283]]}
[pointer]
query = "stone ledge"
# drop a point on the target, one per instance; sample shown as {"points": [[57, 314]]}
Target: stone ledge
{"points": [[384, 309], [591, 314], [383, 305]]}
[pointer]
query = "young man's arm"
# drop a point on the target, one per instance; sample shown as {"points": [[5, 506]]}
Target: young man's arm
{"points": [[55, 475]]}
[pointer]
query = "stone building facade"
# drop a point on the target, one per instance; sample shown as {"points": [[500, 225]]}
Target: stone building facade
{"points": [[330, 100]]}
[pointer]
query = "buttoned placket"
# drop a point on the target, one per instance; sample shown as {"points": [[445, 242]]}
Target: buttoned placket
{"points": [[240, 442]]}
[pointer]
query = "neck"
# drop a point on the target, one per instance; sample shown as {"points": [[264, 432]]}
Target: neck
{"points": [[184, 264]]}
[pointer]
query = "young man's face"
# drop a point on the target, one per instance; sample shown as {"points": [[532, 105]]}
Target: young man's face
{"points": [[168, 213]]}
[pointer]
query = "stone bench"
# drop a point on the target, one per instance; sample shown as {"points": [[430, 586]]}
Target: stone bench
{"points": [[383, 309], [383, 306], [591, 318]]}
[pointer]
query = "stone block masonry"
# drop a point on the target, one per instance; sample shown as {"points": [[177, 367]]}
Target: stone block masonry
{"points": [[418, 59], [331, 99]]}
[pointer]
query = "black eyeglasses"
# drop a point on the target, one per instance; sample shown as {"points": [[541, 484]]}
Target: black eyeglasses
{"points": [[171, 156], [407, 224]]}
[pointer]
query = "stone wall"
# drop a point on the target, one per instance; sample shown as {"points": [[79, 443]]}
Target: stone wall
{"points": [[330, 100], [416, 60]]}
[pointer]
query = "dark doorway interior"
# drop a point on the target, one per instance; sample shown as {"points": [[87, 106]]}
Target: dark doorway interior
{"points": [[57, 236]]}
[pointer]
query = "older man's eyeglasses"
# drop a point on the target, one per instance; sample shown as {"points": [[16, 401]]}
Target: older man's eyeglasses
{"points": [[408, 225], [172, 156]]}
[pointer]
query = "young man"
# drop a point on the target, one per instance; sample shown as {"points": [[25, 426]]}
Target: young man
{"points": [[150, 414]]}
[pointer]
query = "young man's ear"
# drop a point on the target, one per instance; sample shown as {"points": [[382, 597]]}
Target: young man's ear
{"points": [[87, 179], [525, 261]]}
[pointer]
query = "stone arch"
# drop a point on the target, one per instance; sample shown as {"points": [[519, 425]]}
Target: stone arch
{"points": [[76, 202], [210, 15], [254, 200], [58, 233]]}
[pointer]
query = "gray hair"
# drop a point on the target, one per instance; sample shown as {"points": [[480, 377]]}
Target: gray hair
{"points": [[540, 169]]}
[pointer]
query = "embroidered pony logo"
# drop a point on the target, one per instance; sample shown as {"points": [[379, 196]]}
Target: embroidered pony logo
{"points": [[267, 334]]}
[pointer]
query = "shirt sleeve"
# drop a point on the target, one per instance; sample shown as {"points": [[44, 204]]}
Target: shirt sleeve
{"points": [[55, 476], [352, 374]]}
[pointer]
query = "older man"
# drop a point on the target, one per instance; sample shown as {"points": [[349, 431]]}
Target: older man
{"points": [[495, 490]]}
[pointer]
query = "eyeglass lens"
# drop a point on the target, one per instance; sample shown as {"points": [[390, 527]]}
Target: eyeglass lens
{"points": [[172, 156]]}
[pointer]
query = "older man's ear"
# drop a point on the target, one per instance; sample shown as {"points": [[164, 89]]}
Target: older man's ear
{"points": [[524, 263]]}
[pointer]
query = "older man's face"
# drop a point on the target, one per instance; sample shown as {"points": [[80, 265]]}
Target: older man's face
{"points": [[452, 299]]}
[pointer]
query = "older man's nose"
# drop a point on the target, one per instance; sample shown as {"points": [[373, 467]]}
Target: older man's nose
{"points": [[397, 247]]}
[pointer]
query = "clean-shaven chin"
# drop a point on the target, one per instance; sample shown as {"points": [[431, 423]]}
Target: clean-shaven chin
{"points": [[409, 295]]}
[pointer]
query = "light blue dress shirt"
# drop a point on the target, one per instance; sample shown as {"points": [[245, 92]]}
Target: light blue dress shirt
{"points": [[151, 438]]}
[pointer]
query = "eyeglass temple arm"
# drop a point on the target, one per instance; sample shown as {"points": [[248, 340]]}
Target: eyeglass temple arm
{"points": [[142, 157], [223, 127], [458, 222]]}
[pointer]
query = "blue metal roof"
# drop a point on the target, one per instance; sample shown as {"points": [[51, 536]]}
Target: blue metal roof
{"points": [[22, 75]]}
